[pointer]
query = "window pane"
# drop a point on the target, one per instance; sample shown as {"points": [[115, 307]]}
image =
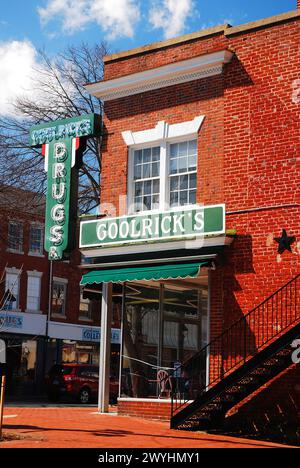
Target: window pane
{"points": [[147, 188], [156, 153], [138, 189], [138, 172], [184, 182], [156, 186], [174, 199], [182, 165], [192, 162], [193, 181], [183, 197], [147, 202], [138, 157], [192, 198], [174, 150], [182, 149], [192, 148], [147, 155], [146, 171], [155, 169], [174, 183], [173, 166]]}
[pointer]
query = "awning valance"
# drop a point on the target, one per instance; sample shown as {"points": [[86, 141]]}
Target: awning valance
{"points": [[143, 273]]}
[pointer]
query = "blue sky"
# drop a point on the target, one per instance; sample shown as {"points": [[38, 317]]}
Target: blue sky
{"points": [[28, 25], [23, 20]]}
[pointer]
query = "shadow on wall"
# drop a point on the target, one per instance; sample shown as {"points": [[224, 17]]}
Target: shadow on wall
{"points": [[239, 335], [273, 413]]}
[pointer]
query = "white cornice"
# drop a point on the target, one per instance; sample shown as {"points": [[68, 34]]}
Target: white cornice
{"points": [[163, 131], [167, 75]]}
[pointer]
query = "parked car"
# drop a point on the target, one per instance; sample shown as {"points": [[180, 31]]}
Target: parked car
{"points": [[77, 381]]}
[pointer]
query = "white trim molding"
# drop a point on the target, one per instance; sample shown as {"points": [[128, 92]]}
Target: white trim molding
{"points": [[163, 131], [161, 77]]}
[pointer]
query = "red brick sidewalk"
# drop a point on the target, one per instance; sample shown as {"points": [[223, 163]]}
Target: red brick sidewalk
{"points": [[83, 428]]}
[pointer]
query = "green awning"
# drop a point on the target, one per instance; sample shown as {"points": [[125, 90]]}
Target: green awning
{"points": [[143, 273]]}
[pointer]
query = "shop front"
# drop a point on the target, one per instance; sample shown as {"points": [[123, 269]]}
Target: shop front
{"points": [[24, 335], [165, 289]]}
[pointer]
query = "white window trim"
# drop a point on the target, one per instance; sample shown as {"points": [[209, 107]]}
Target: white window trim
{"points": [[34, 274], [162, 135]]}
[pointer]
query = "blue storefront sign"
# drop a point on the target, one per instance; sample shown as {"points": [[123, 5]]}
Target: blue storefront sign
{"points": [[92, 334], [11, 321]]}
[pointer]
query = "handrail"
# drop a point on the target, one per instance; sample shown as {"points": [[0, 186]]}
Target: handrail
{"points": [[235, 345]]}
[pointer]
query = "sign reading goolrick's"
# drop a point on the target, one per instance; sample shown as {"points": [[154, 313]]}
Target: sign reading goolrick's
{"points": [[63, 143], [183, 223]]}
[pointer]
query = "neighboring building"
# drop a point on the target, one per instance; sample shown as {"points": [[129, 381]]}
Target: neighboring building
{"points": [[211, 118], [73, 328]]}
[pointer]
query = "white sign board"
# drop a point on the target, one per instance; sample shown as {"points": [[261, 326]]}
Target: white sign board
{"points": [[2, 352]]}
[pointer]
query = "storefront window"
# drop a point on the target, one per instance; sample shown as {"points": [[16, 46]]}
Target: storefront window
{"points": [[164, 325], [140, 350]]}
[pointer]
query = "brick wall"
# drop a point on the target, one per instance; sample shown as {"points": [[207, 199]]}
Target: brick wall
{"points": [[248, 152]]}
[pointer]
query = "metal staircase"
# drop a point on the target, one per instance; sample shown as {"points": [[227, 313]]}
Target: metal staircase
{"points": [[249, 354]]}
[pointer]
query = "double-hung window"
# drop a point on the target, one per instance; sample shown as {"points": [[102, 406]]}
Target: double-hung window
{"points": [[162, 166], [146, 178], [15, 236], [36, 240]]}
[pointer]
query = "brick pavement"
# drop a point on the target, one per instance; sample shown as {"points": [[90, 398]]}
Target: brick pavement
{"points": [[76, 427]]}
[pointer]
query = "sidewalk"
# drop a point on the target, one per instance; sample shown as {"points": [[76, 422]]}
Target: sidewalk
{"points": [[71, 427]]}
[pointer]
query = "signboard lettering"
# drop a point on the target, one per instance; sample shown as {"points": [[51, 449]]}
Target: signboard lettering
{"points": [[181, 223], [63, 143]]}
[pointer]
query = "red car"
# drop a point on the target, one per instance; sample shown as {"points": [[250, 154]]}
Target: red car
{"points": [[79, 381]]}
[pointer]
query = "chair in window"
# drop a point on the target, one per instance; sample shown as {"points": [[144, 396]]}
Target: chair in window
{"points": [[164, 383]]}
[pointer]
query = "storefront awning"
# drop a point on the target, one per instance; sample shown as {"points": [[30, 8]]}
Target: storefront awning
{"points": [[143, 273]]}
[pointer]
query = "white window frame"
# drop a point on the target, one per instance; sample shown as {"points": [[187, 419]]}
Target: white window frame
{"points": [[162, 135], [34, 274], [31, 252]]}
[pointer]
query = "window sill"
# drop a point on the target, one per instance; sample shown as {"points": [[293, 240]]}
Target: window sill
{"points": [[34, 254], [61, 316], [19, 252], [84, 319], [36, 312]]}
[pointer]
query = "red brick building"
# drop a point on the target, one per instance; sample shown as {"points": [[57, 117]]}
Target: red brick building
{"points": [[70, 321], [211, 118]]}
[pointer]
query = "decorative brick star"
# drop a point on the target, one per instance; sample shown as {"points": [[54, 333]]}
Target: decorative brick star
{"points": [[285, 242]]}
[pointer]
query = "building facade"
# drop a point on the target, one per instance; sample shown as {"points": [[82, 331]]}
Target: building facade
{"points": [[203, 122], [39, 332]]}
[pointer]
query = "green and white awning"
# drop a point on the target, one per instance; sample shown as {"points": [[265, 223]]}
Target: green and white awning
{"points": [[143, 273]]}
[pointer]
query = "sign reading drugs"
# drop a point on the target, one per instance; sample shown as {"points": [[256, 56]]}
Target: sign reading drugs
{"points": [[182, 223], [63, 143]]}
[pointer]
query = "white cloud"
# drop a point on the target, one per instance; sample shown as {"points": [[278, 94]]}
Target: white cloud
{"points": [[18, 61], [171, 16], [116, 17]]}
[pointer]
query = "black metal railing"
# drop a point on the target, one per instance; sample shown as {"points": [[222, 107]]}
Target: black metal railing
{"points": [[236, 345]]}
